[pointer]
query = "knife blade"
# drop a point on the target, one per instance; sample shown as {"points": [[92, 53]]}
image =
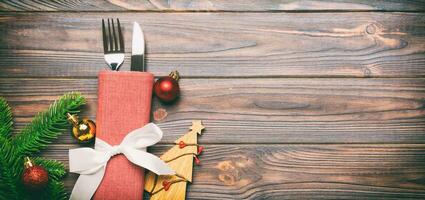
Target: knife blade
{"points": [[138, 49]]}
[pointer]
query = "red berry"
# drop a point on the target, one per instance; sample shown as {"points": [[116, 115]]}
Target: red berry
{"points": [[182, 144], [200, 149], [166, 184], [197, 161]]}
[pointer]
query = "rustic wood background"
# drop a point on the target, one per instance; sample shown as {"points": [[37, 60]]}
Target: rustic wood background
{"points": [[302, 99]]}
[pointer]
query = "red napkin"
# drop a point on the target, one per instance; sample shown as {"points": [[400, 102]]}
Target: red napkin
{"points": [[124, 102]]}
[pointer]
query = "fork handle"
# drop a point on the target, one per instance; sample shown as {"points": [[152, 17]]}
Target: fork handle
{"points": [[138, 63]]}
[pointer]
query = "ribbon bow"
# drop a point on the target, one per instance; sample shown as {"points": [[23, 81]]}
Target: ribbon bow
{"points": [[91, 163]]}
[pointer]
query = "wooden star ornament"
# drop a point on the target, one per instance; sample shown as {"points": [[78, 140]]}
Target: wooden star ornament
{"points": [[197, 126]]}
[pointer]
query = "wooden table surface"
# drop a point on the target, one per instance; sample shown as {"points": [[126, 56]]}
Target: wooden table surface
{"points": [[302, 99]]}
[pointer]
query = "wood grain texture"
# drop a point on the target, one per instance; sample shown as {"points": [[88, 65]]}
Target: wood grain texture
{"points": [[365, 44], [212, 5], [262, 110], [276, 83], [299, 171]]}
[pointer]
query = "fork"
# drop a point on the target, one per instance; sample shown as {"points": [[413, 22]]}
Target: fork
{"points": [[113, 44]]}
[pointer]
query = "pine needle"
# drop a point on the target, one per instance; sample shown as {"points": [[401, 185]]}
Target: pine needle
{"points": [[55, 191], [55, 169], [6, 122], [8, 172]]}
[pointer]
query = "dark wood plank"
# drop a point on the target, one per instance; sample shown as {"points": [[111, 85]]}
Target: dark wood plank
{"points": [[365, 44], [299, 171], [263, 110], [212, 5]]}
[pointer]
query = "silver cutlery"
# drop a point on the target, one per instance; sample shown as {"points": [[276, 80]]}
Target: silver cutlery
{"points": [[138, 49], [113, 44]]}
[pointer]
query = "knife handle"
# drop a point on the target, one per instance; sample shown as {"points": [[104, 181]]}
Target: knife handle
{"points": [[138, 63]]}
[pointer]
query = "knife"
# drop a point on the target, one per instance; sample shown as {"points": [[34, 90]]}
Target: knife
{"points": [[138, 49]]}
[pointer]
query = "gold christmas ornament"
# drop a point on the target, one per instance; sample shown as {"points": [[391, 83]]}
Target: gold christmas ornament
{"points": [[84, 131]]}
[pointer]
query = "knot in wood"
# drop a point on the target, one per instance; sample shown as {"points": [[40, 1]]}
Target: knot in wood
{"points": [[160, 114], [371, 29]]}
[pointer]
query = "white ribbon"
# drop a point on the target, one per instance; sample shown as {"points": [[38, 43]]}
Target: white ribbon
{"points": [[91, 163]]}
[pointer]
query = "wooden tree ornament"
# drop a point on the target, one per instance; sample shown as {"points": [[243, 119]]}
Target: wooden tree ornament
{"points": [[180, 158]]}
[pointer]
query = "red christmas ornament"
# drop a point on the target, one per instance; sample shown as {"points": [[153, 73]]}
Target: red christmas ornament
{"points": [[167, 88], [34, 177]]}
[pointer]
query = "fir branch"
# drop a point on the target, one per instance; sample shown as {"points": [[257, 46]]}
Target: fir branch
{"points": [[55, 191], [6, 191], [47, 125], [55, 169], [9, 169], [43, 129], [6, 122]]}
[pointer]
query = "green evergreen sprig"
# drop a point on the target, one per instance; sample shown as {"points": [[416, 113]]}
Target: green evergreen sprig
{"points": [[45, 127], [48, 125], [8, 187], [55, 168], [6, 122]]}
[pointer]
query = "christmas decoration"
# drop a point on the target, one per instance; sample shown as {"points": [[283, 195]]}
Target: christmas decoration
{"points": [[167, 88], [84, 131], [34, 177], [123, 105], [92, 163], [180, 158], [43, 129]]}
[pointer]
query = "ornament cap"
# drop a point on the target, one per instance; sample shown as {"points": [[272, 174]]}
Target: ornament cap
{"points": [[73, 119], [175, 75], [27, 162]]}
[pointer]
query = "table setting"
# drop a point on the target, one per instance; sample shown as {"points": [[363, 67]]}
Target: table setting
{"points": [[115, 167], [211, 100]]}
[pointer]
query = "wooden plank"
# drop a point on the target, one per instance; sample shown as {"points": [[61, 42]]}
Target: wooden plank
{"points": [[212, 5], [365, 44], [262, 110], [299, 171]]}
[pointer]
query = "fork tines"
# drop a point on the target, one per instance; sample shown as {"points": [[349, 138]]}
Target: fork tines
{"points": [[112, 43]]}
